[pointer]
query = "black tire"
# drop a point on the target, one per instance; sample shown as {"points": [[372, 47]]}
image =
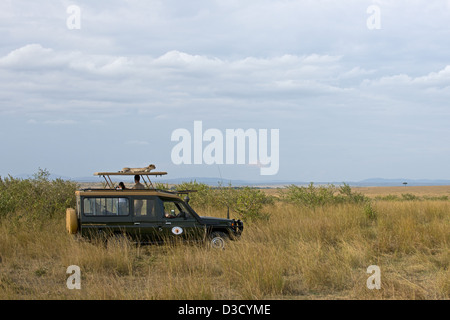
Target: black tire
{"points": [[218, 240]]}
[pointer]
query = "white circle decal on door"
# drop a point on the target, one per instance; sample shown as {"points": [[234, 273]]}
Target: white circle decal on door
{"points": [[177, 230]]}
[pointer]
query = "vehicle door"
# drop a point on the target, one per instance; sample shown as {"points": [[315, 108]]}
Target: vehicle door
{"points": [[147, 218], [178, 222]]}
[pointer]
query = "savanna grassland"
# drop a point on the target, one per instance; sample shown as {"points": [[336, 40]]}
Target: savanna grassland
{"points": [[298, 243]]}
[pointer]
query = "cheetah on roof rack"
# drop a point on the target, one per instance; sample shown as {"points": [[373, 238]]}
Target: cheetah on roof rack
{"points": [[137, 170]]}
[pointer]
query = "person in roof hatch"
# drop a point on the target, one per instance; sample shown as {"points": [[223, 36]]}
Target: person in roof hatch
{"points": [[137, 183]]}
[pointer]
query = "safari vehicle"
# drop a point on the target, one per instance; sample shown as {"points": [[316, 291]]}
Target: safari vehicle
{"points": [[145, 215]]}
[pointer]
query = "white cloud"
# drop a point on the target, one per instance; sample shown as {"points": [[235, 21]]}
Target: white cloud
{"points": [[409, 86], [30, 56], [72, 78], [310, 68], [176, 81]]}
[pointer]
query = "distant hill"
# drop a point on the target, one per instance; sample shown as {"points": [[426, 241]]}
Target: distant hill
{"points": [[372, 182]]}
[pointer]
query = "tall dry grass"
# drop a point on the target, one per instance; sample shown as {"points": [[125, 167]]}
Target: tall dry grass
{"points": [[299, 253]]}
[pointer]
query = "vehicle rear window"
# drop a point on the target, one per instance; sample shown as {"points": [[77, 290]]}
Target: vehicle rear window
{"points": [[106, 206]]}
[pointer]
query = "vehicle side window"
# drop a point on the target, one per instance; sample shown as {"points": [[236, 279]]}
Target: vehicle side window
{"points": [[106, 206], [145, 208], [175, 209]]}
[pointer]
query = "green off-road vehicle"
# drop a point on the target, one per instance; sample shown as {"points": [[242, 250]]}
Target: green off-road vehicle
{"points": [[145, 214]]}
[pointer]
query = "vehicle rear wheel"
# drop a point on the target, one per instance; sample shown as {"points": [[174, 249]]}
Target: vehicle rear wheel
{"points": [[218, 240]]}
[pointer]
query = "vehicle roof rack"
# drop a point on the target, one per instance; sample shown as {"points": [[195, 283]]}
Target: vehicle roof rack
{"points": [[145, 175]]}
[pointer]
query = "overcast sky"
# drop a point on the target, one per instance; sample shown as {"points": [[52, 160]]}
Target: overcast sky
{"points": [[352, 97]]}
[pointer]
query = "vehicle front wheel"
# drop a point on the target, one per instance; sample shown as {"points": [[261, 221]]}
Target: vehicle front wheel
{"points": [[218, 240]]}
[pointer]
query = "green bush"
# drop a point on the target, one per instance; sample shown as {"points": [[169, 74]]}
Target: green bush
{"points": [[389, 197], [409, 197], [309, 196], [246, 202], [369, 211], [312, 196], [36, 197], [204, 197], [439, 198], [347, 195]]}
